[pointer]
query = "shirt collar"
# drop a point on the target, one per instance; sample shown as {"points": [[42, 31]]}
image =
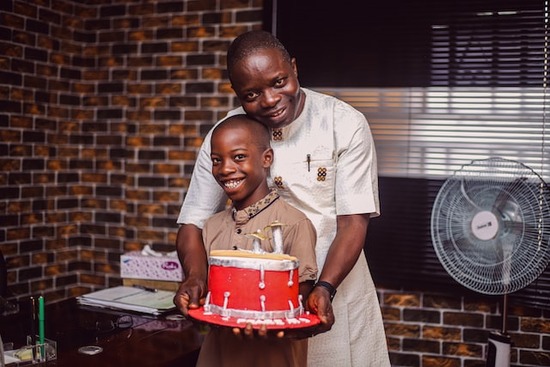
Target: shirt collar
{"points": [[243, 216]]}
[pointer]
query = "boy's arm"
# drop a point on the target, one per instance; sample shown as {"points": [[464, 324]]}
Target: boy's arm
{"points": [[194, 262]]}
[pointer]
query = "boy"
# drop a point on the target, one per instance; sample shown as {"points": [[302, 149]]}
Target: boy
{"points": [[241, 156]]}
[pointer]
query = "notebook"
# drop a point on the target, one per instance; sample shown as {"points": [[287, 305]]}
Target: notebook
{"points": [[136, 299]]}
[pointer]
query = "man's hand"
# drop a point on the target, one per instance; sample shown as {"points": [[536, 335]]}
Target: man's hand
{"points": [[318, 303], [191, 294]]}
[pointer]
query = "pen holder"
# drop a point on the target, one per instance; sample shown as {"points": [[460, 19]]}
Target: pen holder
{"points": [[37, 352]]}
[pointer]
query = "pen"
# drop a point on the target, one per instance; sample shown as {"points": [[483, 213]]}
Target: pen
{"points": [[33, 320], [41, 324], [148, 289]]}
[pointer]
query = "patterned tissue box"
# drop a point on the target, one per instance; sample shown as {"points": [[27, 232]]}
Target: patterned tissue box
{"points": [[140, 265]]}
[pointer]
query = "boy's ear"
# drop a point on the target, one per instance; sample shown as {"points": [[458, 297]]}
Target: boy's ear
{"points": [[267, 158]]}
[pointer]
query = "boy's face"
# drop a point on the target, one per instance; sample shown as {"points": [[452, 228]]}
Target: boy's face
{"points": [[239, 166], [268, 88]]}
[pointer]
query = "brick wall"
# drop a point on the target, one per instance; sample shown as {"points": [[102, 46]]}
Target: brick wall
{"points": [[103, 105], [431, 330]]}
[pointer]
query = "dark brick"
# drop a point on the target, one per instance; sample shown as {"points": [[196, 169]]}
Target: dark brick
{"points": [[109, 113], [112, 10], [30, 273], [11, 78], [212, 18], [65, 99], [10, 106], [107, 217], [115, 87], [49, 16], [36, 54], [418, 345], [71, 73], [34, 137], [201, 59], [199, 87], [109, 191], [33, 164], [425, 316], [402, 359], [249, 16], [164, 33], [151, 182], [167, 115], [154, 48], [534, 358], [86, 37], [67, 203], [154, 74], [170, 7], [37, 26], [124, 49]]}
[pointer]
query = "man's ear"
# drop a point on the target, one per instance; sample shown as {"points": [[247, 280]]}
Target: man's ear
{"points": [[267, 158], [294, 65]]}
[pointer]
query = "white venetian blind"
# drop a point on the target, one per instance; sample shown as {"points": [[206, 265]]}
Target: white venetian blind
{"points": [[488, 94]]}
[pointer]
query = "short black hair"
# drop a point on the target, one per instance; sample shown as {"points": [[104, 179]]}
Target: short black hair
{"points": [[260, 132], [248, 43]]}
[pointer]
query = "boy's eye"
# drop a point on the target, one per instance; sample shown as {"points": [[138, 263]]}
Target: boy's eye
{"points": [[240, 157], [215, 161]]}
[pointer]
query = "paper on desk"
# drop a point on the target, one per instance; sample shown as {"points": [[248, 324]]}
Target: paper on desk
{"points": [[8, 359], [131, 299]]}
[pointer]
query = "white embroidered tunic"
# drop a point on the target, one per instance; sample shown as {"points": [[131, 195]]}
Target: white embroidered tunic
{"points": [[324, 165]]}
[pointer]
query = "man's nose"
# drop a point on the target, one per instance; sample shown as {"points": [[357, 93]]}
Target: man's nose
{"points": [[270, 98]]}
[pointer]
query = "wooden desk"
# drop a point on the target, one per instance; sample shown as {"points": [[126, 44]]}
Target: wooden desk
{"points": [[149, 342]]}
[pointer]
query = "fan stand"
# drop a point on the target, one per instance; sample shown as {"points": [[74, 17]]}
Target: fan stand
{"points": [[499, 342]]}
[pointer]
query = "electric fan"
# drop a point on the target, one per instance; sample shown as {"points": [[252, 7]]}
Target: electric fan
{"points": [[490, 230]]}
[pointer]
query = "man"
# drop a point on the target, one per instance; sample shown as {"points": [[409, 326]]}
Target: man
{"points": [[326, 167]]}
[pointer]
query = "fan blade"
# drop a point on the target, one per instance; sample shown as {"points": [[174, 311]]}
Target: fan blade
{"points": [[505, 203]]}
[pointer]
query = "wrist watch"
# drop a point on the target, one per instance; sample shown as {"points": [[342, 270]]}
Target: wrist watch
{"points": [[329, 287]]}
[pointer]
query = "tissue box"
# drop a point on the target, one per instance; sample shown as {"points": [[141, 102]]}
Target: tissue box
{"points": [[142, 266]]}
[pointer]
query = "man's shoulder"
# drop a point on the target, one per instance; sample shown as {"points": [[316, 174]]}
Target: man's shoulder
{"points": [[339, 106]]}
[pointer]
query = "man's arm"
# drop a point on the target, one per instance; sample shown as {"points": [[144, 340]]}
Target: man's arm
{"points": [[344, 251], [194, 262]]}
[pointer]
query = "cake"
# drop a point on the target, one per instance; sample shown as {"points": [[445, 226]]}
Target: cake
{"points": [[258, 288]]}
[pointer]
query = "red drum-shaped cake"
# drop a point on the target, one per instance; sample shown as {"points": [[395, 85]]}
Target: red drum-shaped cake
{"points": [[247, 287]]}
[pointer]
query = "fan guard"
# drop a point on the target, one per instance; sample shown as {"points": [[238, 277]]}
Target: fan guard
{"points": [[490, 226]]}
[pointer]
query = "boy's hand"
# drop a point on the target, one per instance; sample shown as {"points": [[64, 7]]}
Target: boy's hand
{"points": [[191, 294], [248, 332]]}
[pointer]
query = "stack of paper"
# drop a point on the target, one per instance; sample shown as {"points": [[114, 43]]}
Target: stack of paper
{"points": [[136, 299]]}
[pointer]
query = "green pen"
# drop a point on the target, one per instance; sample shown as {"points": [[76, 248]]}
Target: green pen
{"points": [[41, 325]]}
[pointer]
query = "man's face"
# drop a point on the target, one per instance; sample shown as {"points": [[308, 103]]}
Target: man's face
{"points": [[268, 88]]}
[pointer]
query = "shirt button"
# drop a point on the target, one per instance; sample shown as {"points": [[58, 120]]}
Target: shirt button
{"points": [[238, 231]]}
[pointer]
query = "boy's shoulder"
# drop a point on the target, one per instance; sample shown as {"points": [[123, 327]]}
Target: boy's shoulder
{"points": [[218, 218], [290, 212]]}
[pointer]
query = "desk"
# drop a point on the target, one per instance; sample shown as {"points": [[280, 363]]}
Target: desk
{"points": [[148, 342]]}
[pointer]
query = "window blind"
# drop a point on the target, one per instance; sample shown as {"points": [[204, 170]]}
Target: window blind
{"points": [[441, 83]]}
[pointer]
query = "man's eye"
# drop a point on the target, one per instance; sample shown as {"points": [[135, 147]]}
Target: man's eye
{"points": [[280, 82]]}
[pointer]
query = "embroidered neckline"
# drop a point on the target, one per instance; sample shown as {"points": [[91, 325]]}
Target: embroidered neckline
{"points": [[243, 216]]}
